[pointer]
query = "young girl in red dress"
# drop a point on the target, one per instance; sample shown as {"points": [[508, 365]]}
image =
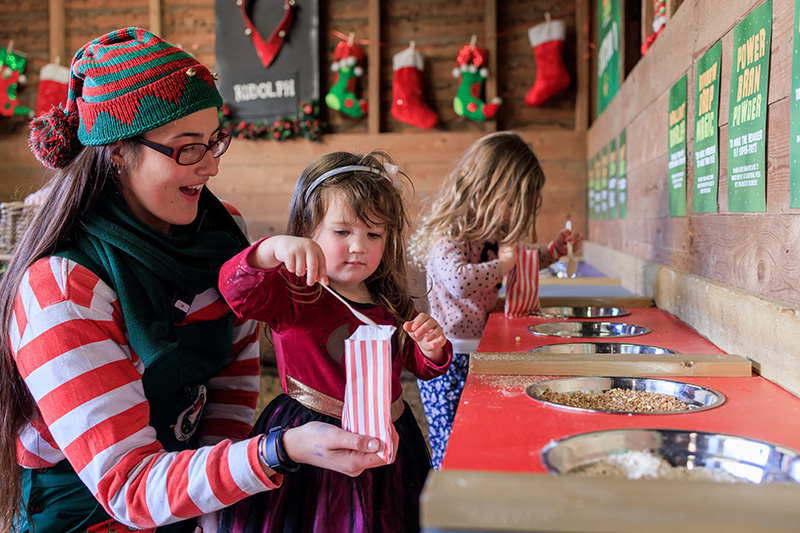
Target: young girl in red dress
{"points": [[346, 230]]}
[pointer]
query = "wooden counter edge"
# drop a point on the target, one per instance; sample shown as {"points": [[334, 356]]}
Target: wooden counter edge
{"points": [[596, 301], [603, 364], [579, 281], [460, 500]]}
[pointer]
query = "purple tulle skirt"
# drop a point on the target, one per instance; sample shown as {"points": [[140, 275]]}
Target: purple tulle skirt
{"points": [[382, 499]]}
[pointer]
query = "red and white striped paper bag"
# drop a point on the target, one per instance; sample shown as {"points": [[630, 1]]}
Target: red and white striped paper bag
{"points": [[367, 396], [522, 287]]}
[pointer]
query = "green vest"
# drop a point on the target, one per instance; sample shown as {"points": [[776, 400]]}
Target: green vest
{"points": [[179, 360], [176, 388]]}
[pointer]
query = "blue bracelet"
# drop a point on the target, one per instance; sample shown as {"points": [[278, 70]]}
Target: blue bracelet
{"points": [[273, 454]]}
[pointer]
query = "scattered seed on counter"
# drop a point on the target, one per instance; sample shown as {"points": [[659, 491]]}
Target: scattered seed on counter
{"points": [[619, 400]]}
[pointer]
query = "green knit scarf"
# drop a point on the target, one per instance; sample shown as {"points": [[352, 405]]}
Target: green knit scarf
{"points": [[147, 268]]}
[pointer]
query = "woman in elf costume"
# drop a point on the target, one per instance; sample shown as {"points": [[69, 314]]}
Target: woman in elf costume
{"points": [[129, 386]]}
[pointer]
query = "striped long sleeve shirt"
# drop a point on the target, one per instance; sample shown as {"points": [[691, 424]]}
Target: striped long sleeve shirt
{"points": [[70, 344]]}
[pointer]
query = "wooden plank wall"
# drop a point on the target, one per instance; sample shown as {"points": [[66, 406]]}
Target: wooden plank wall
{"points": [[732, 276], [258, 176], [754, 252]]}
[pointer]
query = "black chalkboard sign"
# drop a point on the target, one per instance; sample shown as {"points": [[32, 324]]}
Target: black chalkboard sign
{"points": [[252, 91]]}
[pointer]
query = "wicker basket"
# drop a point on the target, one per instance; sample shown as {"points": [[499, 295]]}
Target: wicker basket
{"points": [[14, 218]]}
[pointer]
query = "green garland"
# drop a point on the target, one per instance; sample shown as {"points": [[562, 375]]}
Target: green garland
{"points": [[303, 124]]}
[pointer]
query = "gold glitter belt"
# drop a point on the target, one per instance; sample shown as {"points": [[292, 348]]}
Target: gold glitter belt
{"points": [[322, 403]]}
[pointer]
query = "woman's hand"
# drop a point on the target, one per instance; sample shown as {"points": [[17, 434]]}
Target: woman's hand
{"points": [[507, 255], [300, 256], [428, 335], [327, 446]]}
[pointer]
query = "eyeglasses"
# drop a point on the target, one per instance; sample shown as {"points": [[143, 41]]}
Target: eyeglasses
{"points": [[189, 154]]}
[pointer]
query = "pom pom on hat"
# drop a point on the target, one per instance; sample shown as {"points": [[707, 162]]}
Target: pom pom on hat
{"points": [[121, 85], [53, 139]]}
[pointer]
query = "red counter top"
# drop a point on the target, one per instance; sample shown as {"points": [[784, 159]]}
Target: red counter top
{"points": [[500, 334], [498, 427]]}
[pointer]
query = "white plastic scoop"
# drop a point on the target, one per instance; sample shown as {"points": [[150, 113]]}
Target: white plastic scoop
{"points": [[572, 264], [356, 313]]}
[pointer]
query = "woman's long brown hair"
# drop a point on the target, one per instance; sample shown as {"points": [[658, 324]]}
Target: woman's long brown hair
{"points": [[72, 192]]}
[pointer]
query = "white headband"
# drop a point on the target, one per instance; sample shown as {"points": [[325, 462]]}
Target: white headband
{"points": [[391, 171]]}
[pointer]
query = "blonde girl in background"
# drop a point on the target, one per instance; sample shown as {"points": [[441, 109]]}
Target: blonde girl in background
{"points": [[466, 242], [347, 227]]}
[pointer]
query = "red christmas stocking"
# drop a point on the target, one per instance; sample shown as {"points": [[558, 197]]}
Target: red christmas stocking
{"points": [[547, 40], [53, 87], [12, 64], [408, 105]]}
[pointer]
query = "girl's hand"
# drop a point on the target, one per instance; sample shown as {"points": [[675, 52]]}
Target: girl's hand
{"points": [[327, 446], [300, 256], [428, 335], [507, 255], [563, 237]]}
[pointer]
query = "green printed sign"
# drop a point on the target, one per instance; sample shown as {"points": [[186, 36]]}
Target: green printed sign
{"points": [[596, 186], [747, 115], [706, 133], [794, 127], [677, 149], [622, 175], [612, 180], [608, 57], [604, 184]]}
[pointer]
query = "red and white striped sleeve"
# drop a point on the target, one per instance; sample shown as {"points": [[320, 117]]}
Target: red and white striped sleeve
{"points": [[69, 341]]}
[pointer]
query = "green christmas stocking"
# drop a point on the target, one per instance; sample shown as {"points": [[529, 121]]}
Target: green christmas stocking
{"points": [[347, 63], [471, 66], [11, 67]]}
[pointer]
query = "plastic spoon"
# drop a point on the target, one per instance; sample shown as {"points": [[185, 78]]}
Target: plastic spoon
{"points": [[356, 313], [572, 264]]}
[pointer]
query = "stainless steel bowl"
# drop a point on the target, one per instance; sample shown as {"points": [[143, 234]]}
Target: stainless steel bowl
{"points": [[601, 347], [580, 328], [582, 312], [697, 397], [753, 460]]}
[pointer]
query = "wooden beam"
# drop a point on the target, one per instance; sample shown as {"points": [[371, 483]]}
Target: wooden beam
{"points": [[461, 500], [155, 17], [490, 31], [374, 67], [672, 7], [582, 30], [622, 38], [58, 52], [603, 364], [646, 20]]}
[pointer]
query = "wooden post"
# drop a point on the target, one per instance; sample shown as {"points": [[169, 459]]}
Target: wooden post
{"points": [[672, 7], [583, 31], [155, 17], [622, 40], [490, 31], [58, 53], [374, 67], [647, 20]]}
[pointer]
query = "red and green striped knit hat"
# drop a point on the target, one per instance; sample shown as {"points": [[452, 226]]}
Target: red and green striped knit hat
{"points": [[121, 85]]}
